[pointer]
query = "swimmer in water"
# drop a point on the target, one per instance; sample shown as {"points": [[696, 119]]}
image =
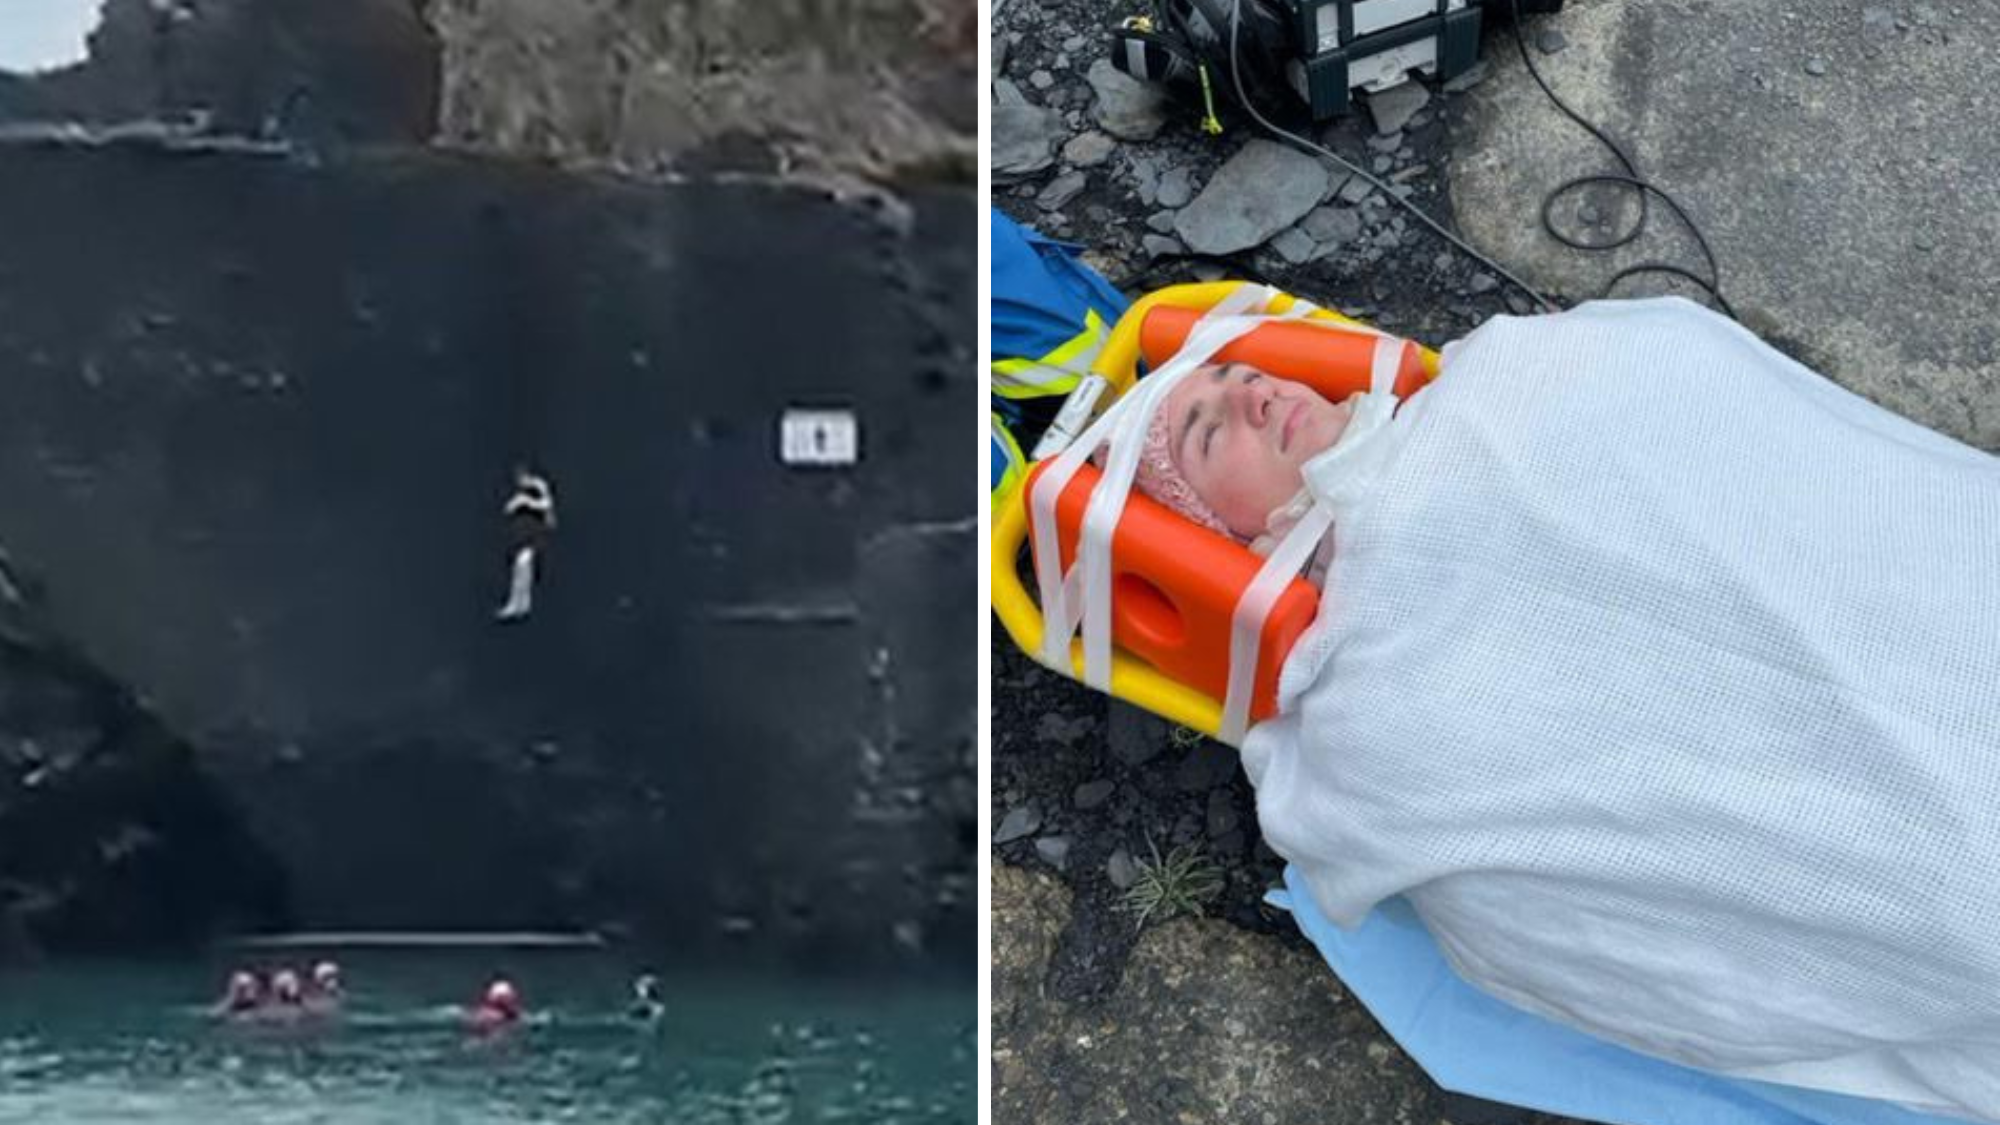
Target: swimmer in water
{"points": [[287, 997], [324, 991], [646, 1006], [240, 997], [498, 1010]]}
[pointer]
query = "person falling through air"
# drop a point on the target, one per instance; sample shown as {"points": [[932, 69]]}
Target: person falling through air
{"points": [[531, 515]]}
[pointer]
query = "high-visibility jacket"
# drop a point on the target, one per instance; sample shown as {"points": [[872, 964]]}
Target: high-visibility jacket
{"points": [[1051, 313], [1007, 461]]}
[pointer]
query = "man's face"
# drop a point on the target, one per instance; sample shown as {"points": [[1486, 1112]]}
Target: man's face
{"points": [[1239, 437]]}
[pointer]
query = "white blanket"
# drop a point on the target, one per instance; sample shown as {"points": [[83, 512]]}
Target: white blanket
{"points": [[1663, 676]]}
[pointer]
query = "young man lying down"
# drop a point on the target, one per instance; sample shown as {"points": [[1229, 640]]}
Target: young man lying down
{"points": [[1661, 675]]}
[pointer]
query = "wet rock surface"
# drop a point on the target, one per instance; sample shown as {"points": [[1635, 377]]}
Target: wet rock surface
{"points": [[112, 839], [259, 483]]}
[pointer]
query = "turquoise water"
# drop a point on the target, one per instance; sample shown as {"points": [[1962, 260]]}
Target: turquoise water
{"points": [[136, 1045]]}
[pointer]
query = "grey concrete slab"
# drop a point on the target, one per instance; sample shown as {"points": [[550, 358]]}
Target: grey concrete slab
{"points": [[1841, 159]]}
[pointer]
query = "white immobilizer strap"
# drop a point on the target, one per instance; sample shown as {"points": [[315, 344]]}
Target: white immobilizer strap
{"points": [[1081, 596], [1065, 596], [1295, 550]]}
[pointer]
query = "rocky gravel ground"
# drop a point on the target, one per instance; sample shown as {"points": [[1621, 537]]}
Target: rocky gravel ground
{"points": [[1082, 152]]}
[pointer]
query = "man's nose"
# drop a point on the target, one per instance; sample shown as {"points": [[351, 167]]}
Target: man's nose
{"points": [[1247, 400]]}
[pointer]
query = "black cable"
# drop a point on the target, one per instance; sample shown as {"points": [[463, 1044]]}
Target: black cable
{"points": [[1711, 285], [1644, 189], [1243, 98]]}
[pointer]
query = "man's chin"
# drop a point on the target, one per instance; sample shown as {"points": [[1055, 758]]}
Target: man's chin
{"points": [[1337, 418]]}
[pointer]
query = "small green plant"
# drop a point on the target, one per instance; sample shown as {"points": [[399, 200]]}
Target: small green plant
{"points": [[1184, 882]]}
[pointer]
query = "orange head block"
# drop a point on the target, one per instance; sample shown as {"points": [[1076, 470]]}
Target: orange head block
{"points": [[1174, 589], [1332, 360]]}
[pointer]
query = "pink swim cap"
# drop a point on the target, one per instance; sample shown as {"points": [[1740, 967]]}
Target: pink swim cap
{"points": [[500, 995], [1161, 479]]}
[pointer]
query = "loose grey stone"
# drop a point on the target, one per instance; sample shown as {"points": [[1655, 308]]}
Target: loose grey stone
{"points": [[1019, 823], [1076, 43], [1333, 226], [1145, 180], [1205, 767], [1353, 191], [1126, 107], [1061, 190], [1162, 222], [1441, 263], [1482, 283], [1000, 48], [1392, 108], [1091, 794], [1222, 818], [1160, 246], [1054, 850], [1088, 150], [1041, 80], [1551, 40], [1135, 736], [1385, 142], [1381, 164], [1024, 139], [1006, 93], [1260, 191], [1467, 78], [1121, 870], [1816, 67], [1294, 245], [1176, 188], [1386, 239], [1060, 729]]}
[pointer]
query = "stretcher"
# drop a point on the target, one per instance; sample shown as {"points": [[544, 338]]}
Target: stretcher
{"points": [[1176, 585]]}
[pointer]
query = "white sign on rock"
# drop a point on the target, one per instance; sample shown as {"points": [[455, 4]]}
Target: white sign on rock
{"points": [[819, 437]]}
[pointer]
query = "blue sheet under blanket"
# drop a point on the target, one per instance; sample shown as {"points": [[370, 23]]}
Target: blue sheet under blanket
{"points": [[1476, 1045]]}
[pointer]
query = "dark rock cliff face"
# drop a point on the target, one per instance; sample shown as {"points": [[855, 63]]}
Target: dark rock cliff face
{"points": [[109, 831], [257, 416]]}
